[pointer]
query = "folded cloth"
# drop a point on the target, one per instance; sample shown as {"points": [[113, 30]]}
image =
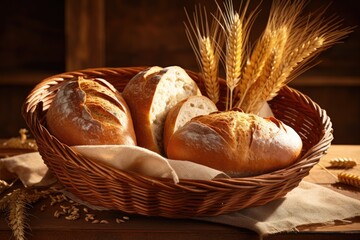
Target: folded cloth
{"points": [[130, 158], [29, 168], [309, 203], [146, 162]]}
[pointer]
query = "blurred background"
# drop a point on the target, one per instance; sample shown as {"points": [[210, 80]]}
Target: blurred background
{"points": [[41, 38]]}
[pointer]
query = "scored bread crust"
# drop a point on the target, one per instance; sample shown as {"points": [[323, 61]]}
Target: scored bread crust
{"points": [[90, 112], [150, 95], [236, 143], [184, 111]]}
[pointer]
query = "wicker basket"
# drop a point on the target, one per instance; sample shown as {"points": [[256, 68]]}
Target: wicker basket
{"points": [[133, 193]]}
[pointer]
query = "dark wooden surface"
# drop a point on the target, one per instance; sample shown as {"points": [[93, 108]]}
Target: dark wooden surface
{"points": [[44, 225]]}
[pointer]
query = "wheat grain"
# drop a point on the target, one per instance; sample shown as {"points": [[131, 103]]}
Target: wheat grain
{"points": [[118, 220], [43, 207], [89, 217]]}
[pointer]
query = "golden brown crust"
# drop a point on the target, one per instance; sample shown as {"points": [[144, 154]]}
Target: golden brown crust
{"points": [[144, 94], [170, 122], [184, 111], [90, 112], [237, 143], [138, 94]]}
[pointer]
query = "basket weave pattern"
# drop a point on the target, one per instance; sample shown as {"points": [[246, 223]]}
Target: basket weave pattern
{"points": [[133, 193]]}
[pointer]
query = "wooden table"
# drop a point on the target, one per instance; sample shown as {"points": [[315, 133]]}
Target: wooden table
{"points": [[43, 224]]}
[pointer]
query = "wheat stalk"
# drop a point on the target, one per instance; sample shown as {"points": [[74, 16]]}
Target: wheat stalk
{"points": [[280, 77], [206, 42]]}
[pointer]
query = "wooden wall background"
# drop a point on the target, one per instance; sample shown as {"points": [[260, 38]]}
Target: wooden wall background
{"points": [[40, 38]]}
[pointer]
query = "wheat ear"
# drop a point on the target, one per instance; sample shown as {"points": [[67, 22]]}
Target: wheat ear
{"points": [[236, 31], [349, 179], [16, 215], [272, 46], [308, 36], [342, 162], [234, 49], [15, 202], [209, 69], [254, 65], [250, 100], [253, 100], [279, 79], [206, 43]]}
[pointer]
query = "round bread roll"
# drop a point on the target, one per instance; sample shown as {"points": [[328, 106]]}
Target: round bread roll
{"points": [[184, 111], [236, 143], [90, 112], [150, 95]]}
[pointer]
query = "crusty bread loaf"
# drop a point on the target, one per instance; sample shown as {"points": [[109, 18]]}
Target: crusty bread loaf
{"points": [[184, 111], [90, 112], [150, 95], [237, 143]]}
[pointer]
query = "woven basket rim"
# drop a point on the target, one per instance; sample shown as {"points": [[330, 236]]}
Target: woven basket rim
{"points": [[308, 159]]}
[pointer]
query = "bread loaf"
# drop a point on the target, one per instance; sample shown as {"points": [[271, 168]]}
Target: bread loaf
{"points": [[90, 112], [237, 143], [150, 95], [184, 111]]}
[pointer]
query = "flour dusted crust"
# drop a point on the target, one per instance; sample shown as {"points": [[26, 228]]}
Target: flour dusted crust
{"points": [[184, 111], [90, 112], [150, 95], [237, 143]]}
